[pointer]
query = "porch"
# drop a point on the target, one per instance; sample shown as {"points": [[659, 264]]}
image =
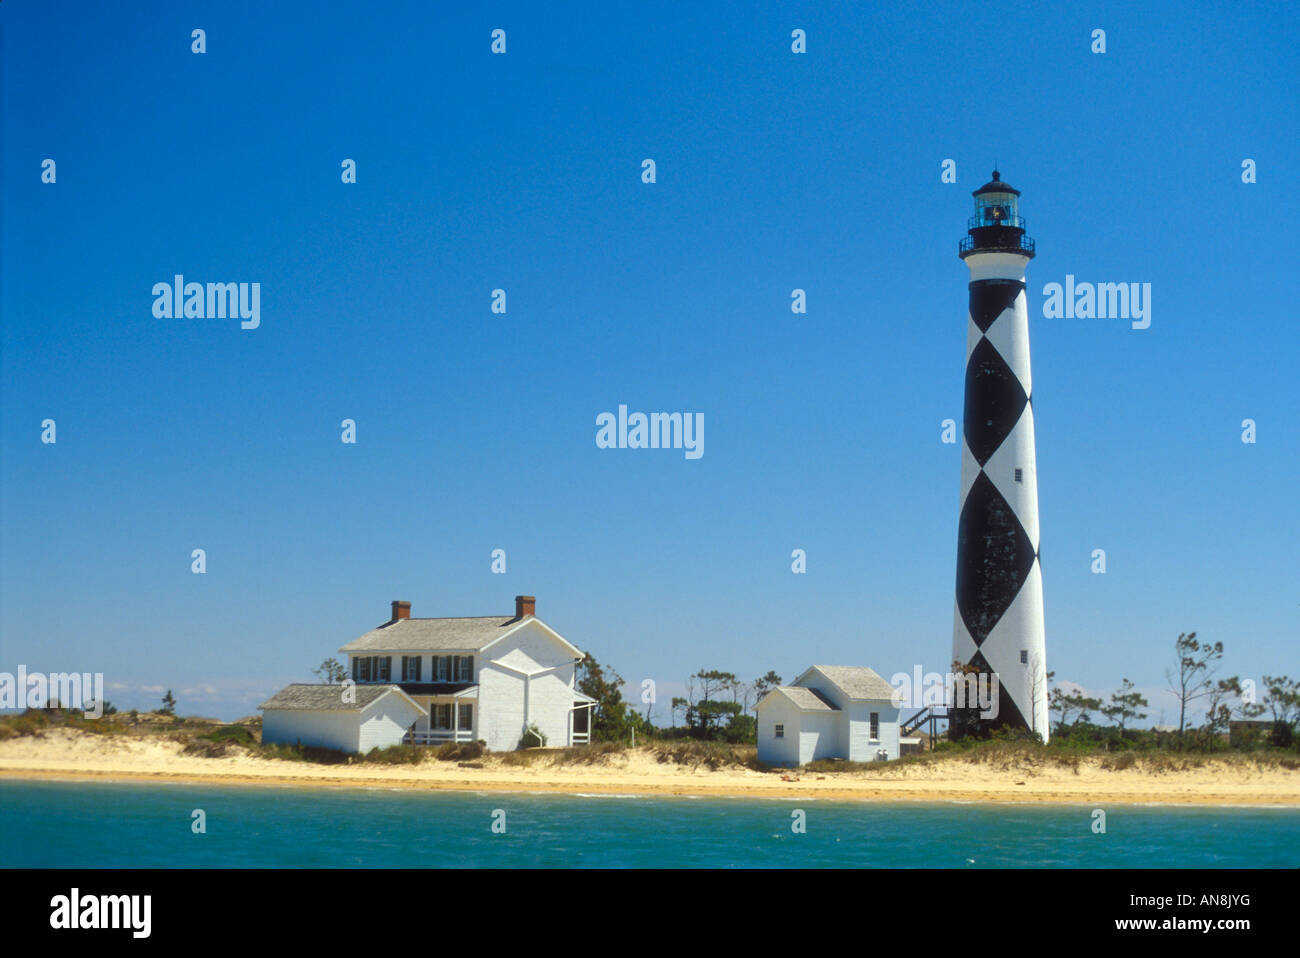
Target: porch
{"points": [[450, 716], [437, 736], [580, 719]]}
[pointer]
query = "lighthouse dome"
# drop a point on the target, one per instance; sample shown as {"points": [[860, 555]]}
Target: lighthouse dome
{"points": [[997, 185]]}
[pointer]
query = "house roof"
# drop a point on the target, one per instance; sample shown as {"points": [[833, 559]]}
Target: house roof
{"points": [[856, 681], [329, 698], [810, 700], [426, 635]]}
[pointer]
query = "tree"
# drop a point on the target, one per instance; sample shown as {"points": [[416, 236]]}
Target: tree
{"points": [[331, 671], [613, 720], [1066, 704], [741, 729], [1192, 678], [712, 717], [168, 704], [765, 684], [708, 715], [1218, 713], [1284, 703], [965, 716], [1125, 705], [1037, 680]]}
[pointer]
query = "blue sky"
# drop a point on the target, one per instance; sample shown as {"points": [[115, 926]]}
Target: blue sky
{"points": [[476, 431]]}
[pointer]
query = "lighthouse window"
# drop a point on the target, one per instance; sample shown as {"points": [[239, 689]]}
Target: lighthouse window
{"points": [[1020, 475], [1024, 656]]}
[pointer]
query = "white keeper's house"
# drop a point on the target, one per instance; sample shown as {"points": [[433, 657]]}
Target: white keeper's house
{"points": [[830, 711], [430, 681]]}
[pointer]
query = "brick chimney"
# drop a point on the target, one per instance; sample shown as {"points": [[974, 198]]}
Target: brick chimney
{"points": [[525, 605], [401, 610]]}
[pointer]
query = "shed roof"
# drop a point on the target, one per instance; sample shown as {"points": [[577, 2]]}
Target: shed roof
{"points": [[810, 700], [329, 698], [857, 681]]}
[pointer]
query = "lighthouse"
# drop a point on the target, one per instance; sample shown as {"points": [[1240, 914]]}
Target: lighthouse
{"points": [[998, 624]]}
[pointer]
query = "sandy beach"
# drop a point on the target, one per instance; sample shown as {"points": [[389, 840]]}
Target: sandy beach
{"points": [[66, 755]]}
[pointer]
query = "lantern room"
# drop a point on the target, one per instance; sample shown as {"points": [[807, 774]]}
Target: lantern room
{"points": [[996, 203], [997, 226]]}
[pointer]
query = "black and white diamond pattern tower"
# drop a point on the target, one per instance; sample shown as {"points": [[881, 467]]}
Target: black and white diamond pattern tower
{"points": [[998, 625]]}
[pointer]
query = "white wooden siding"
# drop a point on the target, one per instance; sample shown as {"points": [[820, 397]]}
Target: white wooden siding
{"points": [[324, 729], [380, 724], [778, 710], [861, 746], [818, 736], [526, 678]]}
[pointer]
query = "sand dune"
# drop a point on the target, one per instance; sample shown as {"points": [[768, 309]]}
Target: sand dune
{"points": [[62, 754]]}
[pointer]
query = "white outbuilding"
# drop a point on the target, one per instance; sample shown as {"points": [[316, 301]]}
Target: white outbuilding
{"points": [[830, 711], [347, 717]]}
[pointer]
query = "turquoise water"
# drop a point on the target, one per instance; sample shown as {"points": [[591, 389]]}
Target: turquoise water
{"points": [[96, 825]]}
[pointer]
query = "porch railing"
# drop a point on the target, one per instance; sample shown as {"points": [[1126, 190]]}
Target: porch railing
{"points": [[438, 736]]}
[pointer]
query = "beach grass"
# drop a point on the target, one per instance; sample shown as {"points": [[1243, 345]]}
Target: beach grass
{"points": [[207, 738]]}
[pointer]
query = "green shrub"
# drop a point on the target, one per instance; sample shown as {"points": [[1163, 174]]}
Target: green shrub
{"points": [[586, 754], [300, 753], [703, 752], [30, 722], [207, 748], [460, 751], [239, 734], [395, 755], [532, 738]]}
